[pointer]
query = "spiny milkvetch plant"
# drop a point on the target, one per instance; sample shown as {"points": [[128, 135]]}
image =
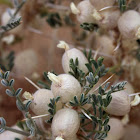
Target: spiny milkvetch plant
{"points": [[69, 107], [68, 104]]}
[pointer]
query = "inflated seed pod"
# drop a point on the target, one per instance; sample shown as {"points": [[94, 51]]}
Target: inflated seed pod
{"points": [[105, 45], [120, 104], [65, 86], [5, 19], [109, 18], [41, 99], [26, 62], [84, 11], [116, 129], [8, 135], [99, 4], [128, 25], [132, 132], [72, 54], [65, 124]]}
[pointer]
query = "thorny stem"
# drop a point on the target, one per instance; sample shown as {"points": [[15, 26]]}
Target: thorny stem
{"points": [[32, 83], [86, 114], [17, 131], [134, 94], [104, 82], [36, 117]]}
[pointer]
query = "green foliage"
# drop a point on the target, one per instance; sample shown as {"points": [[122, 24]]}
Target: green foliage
{"points": [[9, 83], [88, 55], [54, 19], [122, 5], [81, 102], [99, 71], [98, 117], [75, 71], [17, 139], [2, 125], [52, 107], [89, 26], [11, 25]]}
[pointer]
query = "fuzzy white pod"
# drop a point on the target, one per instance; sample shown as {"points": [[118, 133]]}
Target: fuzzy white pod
{"points": [[120, 104], [8, 135], [65, 86], [72, 54], [65, 124], [99, 4], [105, 44], [109, 18], [132, 132], [5, 19], [26, 62], [128, 24], [116, 129], [84, 11], [41, 100]]}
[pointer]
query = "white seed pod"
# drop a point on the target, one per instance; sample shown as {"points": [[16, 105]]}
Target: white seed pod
{"points": [[41, 100], [116, 129], [128, 24], [132, 132], [84, 11], [65, 86], [65, 123], [5, 19], [72, 54], [99, 4], [8, 135], [105, 45], [109, 18], [26, 62], [120, 104]]}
